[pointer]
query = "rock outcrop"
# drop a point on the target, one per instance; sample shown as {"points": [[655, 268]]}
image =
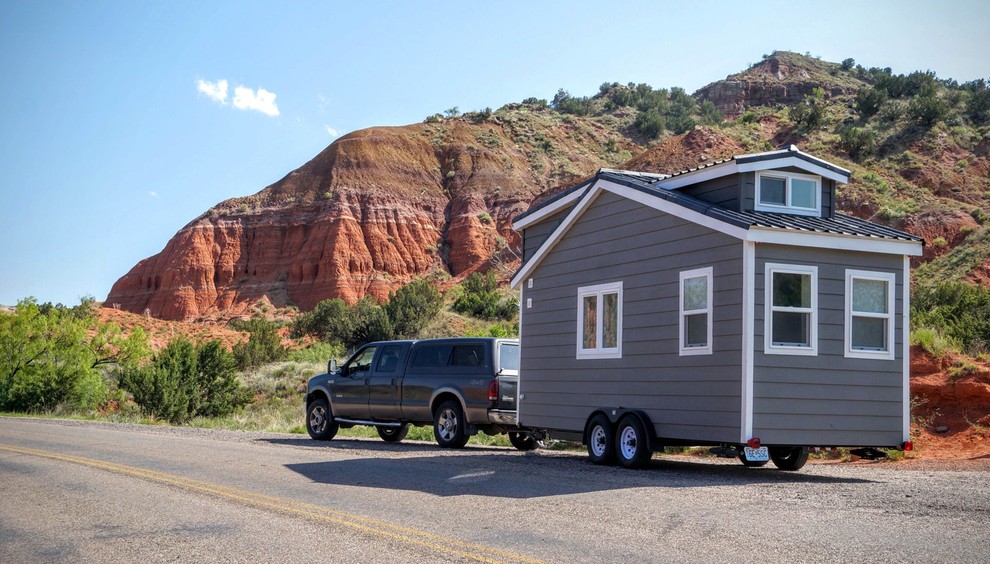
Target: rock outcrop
{"points": [[376, 209], [781, 79]]}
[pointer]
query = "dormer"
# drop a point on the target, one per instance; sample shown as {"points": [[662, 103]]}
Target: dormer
{"points": [[787, 181]]}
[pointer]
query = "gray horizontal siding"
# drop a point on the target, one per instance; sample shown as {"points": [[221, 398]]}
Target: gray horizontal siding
{"points": [[691, 397], [723, 192], [827, 399], [535, 235]]}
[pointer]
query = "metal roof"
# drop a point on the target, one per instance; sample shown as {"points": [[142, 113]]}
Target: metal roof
{"points": [[839, 225]]}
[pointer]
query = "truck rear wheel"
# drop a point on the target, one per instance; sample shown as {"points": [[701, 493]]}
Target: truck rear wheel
{"points": [[319, 421], [393, 434], [449, 425], [522, 441], [789, 458], [601, 440], [630, 444]]}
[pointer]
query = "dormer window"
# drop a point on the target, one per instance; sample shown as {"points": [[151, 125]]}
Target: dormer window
{"points": [[788, 192]]}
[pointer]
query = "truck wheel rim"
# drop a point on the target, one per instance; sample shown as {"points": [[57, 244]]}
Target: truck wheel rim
{"points": [[447, 425], [598, 440], [628, 443], [318, 419]]}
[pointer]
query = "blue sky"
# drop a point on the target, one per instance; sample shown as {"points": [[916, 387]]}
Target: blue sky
{"points": [[113, 133]]}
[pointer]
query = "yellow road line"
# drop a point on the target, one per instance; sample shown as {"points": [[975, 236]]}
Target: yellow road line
{"points": [[364, 524]]}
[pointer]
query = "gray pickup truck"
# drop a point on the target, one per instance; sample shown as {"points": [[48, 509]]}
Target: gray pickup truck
{"points": [[459, 386]]}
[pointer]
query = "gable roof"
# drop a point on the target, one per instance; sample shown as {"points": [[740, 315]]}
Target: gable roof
{"points": [[840, 232], [783, 158]]}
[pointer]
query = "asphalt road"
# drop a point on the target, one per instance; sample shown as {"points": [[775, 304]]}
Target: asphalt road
{"points": [[92, 492]]}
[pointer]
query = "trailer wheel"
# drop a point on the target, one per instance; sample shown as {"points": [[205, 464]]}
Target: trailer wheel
{"points": [[601, 442], [789, 458], [393, 434], [522, 441], [319, 421], [751, 463], [630, 444], [448, 425]]}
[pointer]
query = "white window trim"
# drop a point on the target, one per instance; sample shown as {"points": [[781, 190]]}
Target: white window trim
{"points": [[689, 274], [888, 277], [599, 290], [787, 207], [768, 346]]}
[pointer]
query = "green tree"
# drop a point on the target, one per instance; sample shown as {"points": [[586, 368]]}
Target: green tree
{"points": [[264, 345], [371, 323], [650, 123], [48, 358], [330, 321], [167, 388], [927, 110], [220, 391], [858, 142], [869, 101], [482, 299], [412, 306], [710, 114], [810, 113]]}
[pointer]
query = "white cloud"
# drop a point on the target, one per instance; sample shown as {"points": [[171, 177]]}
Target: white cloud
{"points": [[331, 131], [262, 101], [216, 91], [153, 194]]}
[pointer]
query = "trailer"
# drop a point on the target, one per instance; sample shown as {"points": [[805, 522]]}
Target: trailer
{"points": [[729, 305]]}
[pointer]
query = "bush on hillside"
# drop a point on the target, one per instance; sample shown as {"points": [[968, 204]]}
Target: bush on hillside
{"points": [[263, 346], [482, 299], [959, 311], [411, 307]]}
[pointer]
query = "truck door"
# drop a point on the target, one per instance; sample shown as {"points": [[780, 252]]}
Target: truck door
{"points": [[350, 390], [385, 381]]}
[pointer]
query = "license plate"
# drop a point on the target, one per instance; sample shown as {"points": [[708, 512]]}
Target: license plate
{"points": [[757, 454]]}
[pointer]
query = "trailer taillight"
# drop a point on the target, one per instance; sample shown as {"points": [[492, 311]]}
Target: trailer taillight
{"points": [[493, 390], [908, 445], [753, 443]]}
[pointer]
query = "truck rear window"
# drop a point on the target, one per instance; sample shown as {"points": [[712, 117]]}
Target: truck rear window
{"points": [[508, 356]]}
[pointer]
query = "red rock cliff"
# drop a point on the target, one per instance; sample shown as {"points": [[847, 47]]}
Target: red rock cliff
{"points": [[376, 209]]}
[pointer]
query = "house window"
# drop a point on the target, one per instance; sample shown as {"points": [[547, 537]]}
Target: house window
{"points": [[869, 314], [696, 312], [788, 192], [791, 309], [599, 316]]}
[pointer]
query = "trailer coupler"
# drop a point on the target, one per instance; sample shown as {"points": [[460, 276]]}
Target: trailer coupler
{"points": [[868, 453], [724, 451]]}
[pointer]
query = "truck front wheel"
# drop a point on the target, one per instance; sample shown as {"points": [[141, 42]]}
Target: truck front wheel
{"points": [[789, 458], [448, 425], [601, 443], [319, 421]]}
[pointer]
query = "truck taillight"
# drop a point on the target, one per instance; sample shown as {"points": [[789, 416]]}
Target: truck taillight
{"points": [[493, 390], [908, 445], [753, 443]]}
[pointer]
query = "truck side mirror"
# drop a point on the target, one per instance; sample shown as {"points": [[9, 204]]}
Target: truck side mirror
{"points": [[332, 366]]}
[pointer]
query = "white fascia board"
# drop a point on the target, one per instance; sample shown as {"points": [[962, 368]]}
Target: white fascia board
{"points": [[700, 175], [834, 241], [906, 350], [793, 162], [547, 211], [655, 202]]}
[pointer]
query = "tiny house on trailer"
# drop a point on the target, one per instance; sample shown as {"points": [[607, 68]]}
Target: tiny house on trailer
{"points": [[729, 305]]}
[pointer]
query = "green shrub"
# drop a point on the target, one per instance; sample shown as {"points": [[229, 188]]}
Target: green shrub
{"points": [[263, 346], [650, 123], [184, 381], [932, 341], [482, 299], [958, 310], [869, 101], [927, 110], [412, 306], [858, 142], [318, 352]]}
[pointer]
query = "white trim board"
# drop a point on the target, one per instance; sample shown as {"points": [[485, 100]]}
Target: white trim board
{"points": [[733, 167], [547, 210]]}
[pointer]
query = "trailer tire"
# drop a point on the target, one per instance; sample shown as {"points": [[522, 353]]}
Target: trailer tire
{"points": [[631, 447], [789, 458], [393, 434], [449, 426], [601, 441], [522, 441], [319, 420]]}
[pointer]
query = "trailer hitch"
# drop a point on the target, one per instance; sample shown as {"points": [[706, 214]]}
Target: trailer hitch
{"points": [[868, 453]]}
